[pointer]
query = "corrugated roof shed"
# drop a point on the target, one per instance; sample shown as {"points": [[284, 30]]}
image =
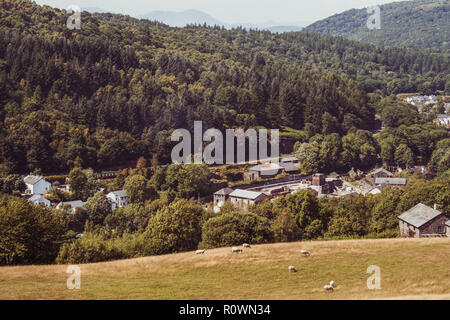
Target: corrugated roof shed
{"points": [[290, 167], [289, 159], [419, 215], [245, 194], [392, 181], [32, 179]]}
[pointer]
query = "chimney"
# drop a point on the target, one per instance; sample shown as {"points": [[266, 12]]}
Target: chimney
{"points": [[436, 206]]}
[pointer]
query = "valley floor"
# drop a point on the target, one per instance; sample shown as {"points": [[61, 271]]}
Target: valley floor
{"points": [[410, 269]]}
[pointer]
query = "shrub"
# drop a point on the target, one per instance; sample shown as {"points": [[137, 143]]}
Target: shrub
{"points": [[236, 228]]}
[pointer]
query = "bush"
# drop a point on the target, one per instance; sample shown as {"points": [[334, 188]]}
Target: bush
{"points": [[177, 227], [29, 234], [236, 228]]}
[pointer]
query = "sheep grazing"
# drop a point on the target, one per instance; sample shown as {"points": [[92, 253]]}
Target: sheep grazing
{"points": [[292, 269], [200, 251], [330, 287], [305, 253], [246, 245], [236, 250]]}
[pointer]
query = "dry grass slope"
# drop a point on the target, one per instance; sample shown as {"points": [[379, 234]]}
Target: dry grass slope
{"points": [[410, 269]]}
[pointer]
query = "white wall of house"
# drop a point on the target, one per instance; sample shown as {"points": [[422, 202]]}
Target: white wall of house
{"points": [[40, 187]]}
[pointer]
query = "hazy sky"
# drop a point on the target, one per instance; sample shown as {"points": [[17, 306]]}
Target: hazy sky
{"points": [[230, 11]]}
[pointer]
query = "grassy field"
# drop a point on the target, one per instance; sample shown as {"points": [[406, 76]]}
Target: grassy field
{"points": [[410, 269]]}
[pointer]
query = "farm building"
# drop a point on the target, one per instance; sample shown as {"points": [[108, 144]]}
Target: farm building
{"points": [[422, 221], [242, 199], [378, 173], [73, 205], [289, 160], [39, 199], [262, 171], [36, 185], [447, 228], [118, 199], [390, 181], [222, 195]]}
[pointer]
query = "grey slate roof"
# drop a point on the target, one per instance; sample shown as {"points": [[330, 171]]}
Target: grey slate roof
{"points": [[35, 197], [245, 194], [32, 179], [418, 215], [73, 204], [290, 167], [392, 181], [120, 193], [381, 170], [289, 159], [224, 192]]}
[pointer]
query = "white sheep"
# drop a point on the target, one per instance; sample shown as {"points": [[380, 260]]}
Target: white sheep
{"points": [[330, 287], [200, 251], [236, 250], [305, 253], [292, 269], [246, 245]]}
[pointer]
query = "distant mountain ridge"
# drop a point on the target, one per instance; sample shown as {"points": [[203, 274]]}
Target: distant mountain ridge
{"points": [[415, 24], [183, 18]]}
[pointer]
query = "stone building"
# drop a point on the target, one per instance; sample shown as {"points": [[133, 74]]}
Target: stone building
{"points": [[422, 221], [242, 199]]}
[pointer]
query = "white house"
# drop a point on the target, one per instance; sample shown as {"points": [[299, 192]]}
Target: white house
{"points": [[73, 205], [443, 119], [118, 199], [36, 185], [38, 199]]}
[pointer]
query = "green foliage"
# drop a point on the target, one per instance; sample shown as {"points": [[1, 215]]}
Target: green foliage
{"points": [[188, 181], [417, 24], [29, 234], [236, 228], [139, 189], [115, 90], [129, 219], [177, 226], [97, 208]]}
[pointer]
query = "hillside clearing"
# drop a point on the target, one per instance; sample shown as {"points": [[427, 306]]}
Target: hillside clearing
{"points": [[410, 269]]}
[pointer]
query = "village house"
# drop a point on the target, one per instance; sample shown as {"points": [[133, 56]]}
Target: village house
{"points": [[39, 199], [443, 120], [36, 185], [262, 171], [422, 221], [353, 174], [118, 199], [289, 160], [72, 204], [382, 182], [242, 199], [221, 196], [378, 173], [447, 227], [290, 168]]}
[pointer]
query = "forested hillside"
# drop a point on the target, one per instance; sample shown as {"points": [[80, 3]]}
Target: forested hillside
{"points": [[415, 24], [115, 89]]}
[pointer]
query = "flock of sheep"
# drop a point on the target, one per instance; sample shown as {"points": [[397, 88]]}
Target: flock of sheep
{"points": [[305, 253]]}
